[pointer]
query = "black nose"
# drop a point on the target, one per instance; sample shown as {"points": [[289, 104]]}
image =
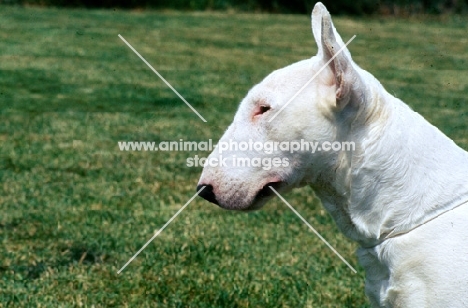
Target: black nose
{"points": [[207, 193]]}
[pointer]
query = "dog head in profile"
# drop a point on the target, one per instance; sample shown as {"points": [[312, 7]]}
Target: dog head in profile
{"points": [[313, 100]]}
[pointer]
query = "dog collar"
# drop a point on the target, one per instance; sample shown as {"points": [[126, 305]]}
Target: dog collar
{"points": [[394, 234]]}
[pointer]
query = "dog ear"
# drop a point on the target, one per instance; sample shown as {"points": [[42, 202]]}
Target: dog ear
{"points": [[329, 44], [317, 26]]}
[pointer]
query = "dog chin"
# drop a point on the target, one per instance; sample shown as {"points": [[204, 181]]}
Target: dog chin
{"points": [[256, 205]]}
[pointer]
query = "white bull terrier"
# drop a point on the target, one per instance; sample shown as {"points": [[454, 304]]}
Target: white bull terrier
{"points": [[401, 194]]}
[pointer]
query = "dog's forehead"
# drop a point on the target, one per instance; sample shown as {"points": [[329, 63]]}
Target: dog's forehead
{"points": [[282, 83]]}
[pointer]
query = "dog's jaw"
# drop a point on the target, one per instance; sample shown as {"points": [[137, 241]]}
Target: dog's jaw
{"points": [[238, 193]]}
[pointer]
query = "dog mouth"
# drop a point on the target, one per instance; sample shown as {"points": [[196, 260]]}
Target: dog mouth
{"points": [[267, 190], [264, 194]]}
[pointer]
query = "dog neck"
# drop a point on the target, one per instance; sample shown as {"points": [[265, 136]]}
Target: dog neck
{"points": [[403, 173]]}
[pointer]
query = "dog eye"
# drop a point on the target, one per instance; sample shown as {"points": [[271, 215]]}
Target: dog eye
{"points": [[261, 109], [264, 109]]}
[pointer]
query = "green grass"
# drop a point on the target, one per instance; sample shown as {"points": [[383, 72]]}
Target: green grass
{"points": [[74, 208]]}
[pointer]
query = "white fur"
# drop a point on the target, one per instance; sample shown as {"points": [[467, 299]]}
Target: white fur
{"points": [[400, 194]]}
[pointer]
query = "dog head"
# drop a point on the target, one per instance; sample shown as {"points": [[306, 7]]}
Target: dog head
{"points": [[309, 101]]}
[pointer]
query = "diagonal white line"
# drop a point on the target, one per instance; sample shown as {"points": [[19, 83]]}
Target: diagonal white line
{"points": [[160, 230], [162, 78], [310, 80], [313, 230]]}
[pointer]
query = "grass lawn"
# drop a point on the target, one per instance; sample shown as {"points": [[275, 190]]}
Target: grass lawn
{"points": [[74, 208]]}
